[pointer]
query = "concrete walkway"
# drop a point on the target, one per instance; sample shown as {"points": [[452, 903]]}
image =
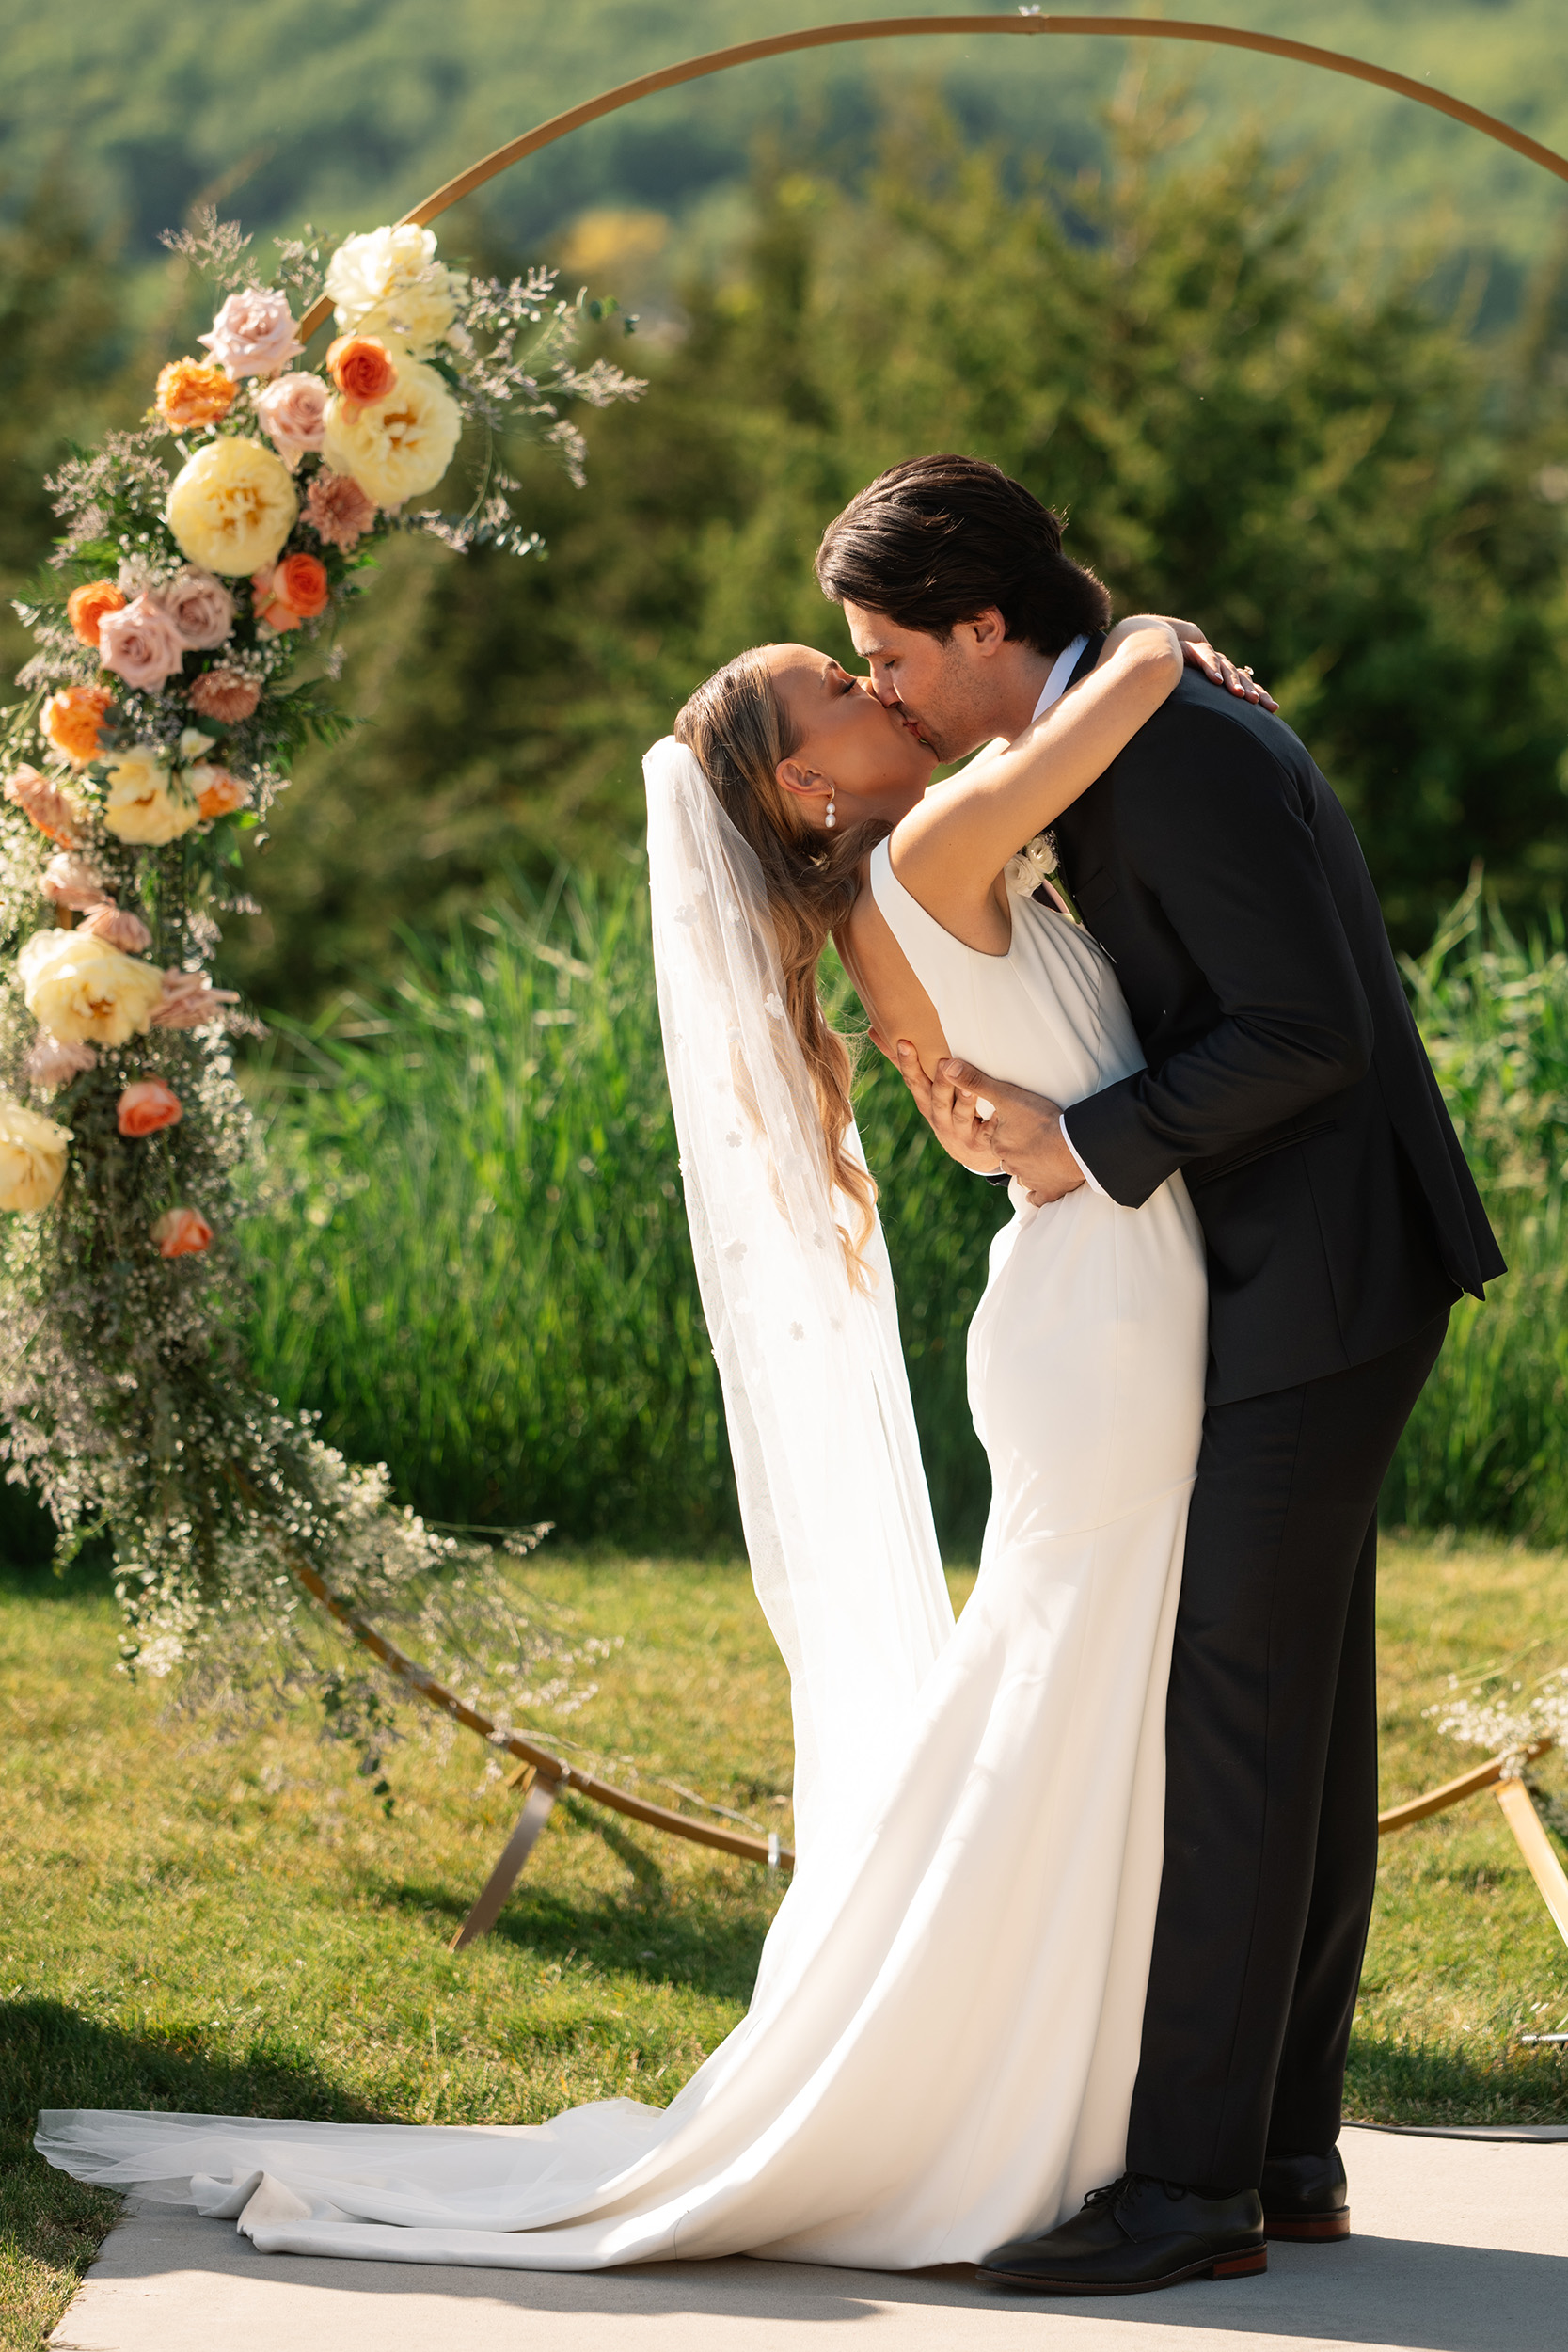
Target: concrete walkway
{"points": [[1460, 2246]]}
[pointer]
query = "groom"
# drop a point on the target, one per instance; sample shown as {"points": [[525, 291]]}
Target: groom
{"points": [[1286, 1080]]}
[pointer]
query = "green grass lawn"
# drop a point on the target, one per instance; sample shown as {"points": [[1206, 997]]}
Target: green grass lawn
{"points": [[200, 1915]]}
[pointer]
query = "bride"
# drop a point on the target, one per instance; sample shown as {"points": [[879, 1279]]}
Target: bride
{"points": [[942, 2044]]}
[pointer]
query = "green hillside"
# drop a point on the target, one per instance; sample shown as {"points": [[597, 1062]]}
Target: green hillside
{"points": [[348, 110]]}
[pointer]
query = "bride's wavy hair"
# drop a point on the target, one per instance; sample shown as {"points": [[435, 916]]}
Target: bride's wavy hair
{"points": [[738, 730]]}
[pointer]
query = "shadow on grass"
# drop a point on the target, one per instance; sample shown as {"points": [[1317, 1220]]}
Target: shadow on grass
{"points": [[698, 1947], [1399, 2081], [53, 2057]]}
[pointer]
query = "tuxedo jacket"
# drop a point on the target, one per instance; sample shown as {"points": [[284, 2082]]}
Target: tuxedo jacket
{"points": [[1285, 1078]]}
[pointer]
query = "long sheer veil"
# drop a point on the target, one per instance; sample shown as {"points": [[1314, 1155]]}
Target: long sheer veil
{"points": [[833, 1496]]}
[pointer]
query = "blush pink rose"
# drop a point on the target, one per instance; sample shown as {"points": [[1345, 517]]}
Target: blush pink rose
{"points": [[190, 1001], [254, 333], [199, 606], [140, 646], [54, 1060], [146, 1105], [182, 1233], [117, 928], [292, 414]]}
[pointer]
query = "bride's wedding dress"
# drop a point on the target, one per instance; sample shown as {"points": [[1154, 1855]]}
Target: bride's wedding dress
{"points": [[941, 2048]]}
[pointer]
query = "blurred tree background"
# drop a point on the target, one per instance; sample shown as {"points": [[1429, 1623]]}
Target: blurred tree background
{"points": [[1319, 408]]}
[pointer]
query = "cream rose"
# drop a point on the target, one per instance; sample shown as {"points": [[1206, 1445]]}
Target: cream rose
{"points": [[145, 805], [82, 990], [397, 447], [389, 282], [32, 1159], [232, 505]]}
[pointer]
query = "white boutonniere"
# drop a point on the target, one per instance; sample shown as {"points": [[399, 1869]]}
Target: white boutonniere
{"points": [[1036, 862]]}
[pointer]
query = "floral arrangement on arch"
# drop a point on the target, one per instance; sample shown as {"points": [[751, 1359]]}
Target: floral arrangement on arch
{"points": [[184, 649]]}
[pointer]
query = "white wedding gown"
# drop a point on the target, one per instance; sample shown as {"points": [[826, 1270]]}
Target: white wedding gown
{"points": [[941, 2048]]}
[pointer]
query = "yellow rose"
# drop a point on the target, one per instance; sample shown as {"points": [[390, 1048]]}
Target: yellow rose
{"points": [[32, 1159], [82, 990], [145, 804], [232, 505], [399, 446]]}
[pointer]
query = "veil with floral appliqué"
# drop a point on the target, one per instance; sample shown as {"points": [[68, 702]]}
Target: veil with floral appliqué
{"points": [[833, 1495]]}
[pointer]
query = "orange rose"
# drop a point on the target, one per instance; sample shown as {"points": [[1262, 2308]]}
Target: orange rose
{"points": [[182, 1233], [362, 368], [85, 607], [295, 591], [148, 1104], [190, 394], [71, 718], [301, 581], [218, 793]]}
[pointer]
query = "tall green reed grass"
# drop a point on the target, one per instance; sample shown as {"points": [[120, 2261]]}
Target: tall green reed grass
{"points": [[1487, 1445], [470, 1253]]}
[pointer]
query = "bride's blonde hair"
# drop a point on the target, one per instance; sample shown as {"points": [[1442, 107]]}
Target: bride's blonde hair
{"points": [[738, 729]]}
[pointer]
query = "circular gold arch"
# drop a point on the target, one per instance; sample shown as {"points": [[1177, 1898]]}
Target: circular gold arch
{"points": [[902, 27]]}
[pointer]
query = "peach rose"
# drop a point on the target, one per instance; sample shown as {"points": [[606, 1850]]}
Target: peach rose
{"points": [[272, 614], [362, 368], [218, 793], [340, 511], [298, 588], [68, 880], [200, 607], [57, 817], [182, 1233], [141, 646], [146, 1105], [86, 606], [32, 1159], [189, 394], [254, 333], [292, 413], [224, 694], [71, 719], [119, 926]]}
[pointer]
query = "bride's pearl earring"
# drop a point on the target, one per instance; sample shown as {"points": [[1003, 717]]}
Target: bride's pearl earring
{"points": [[830, 819]]}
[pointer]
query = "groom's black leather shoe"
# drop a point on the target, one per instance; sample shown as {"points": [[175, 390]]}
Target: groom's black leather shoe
{"points": [[1138, 2235], [1305, 2196]]}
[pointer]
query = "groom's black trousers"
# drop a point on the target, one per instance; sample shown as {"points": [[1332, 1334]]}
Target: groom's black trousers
{"points": [[1271, 1787]]}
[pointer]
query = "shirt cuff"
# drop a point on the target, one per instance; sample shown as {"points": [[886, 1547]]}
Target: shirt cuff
{"points": [[1089, 1177]]}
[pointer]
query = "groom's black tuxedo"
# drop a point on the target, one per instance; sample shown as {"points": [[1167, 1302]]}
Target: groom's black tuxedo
{"points": [[1286, 1078], [1287, 1082]]}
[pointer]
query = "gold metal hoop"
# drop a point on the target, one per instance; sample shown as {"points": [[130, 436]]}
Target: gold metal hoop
{"points": [[902, 28]]}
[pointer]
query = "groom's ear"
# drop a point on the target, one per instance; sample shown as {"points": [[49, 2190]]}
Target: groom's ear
{"points": [[984, 634]]}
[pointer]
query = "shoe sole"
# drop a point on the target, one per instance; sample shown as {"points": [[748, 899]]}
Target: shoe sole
{"points": [[1313, 2229], [1245, 2265]]}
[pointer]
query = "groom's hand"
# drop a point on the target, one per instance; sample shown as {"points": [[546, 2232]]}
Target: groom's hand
{"points": [[953, 1116], [1024, 1131]]}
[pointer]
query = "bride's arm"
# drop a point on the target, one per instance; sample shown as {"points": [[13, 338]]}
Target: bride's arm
{"points": [[949, 850]]}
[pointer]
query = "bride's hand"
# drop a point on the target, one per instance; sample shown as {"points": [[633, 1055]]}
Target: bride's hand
{"points": [[953, 1118], [1217, 667]]}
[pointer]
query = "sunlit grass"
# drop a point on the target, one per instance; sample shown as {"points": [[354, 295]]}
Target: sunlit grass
{"points": [[202, 1915]]}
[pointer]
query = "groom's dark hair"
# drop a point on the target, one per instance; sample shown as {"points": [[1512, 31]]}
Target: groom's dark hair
{"points": [[935, 540]]}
